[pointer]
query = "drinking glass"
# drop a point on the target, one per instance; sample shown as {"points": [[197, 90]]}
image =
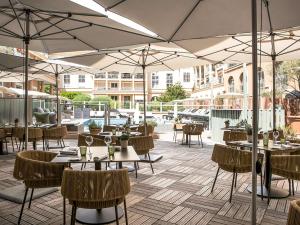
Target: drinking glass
{"points": [[89, 142], [275, 135], [107, 140]]}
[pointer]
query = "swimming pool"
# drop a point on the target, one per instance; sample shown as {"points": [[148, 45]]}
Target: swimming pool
{"points": [[100, 121]]}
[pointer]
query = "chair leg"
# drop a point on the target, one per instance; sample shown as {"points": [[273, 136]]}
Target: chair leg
{"points": [[150, 163], [233, 179], [190, 138], [175, 136], [135, 167], [29, 205], [64, 211], [198, 139], [117, 216], [125, 209], [269, 188], [12, 144], [261, 186], [201, 141], [73, 217], [293, 187], [212, 188], [63, 142], [23, 204]]}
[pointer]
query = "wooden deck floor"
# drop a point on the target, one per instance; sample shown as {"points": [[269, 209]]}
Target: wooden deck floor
{"points": [[178, 193]]}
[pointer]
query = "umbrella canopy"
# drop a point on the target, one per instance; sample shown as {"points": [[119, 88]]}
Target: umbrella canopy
{"points": [[230, 95], [238, 48], [21, 92], [54, 30], [190, 19], [157, 57]]}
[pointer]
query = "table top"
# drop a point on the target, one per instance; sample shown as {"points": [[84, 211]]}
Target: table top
{"points": [[271, 146], [101, 152], [119, 133]]}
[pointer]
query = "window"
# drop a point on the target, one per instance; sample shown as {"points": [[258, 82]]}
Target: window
{"points": [[202, 71], [114, 98], [126, 76], [230, 84], [138, 76], [169, 80], [113, 75], [126, 98], [81, 78], [155, 80], [114, 85], [186, 77], [66, 79], [100, 75], [242, 82]]}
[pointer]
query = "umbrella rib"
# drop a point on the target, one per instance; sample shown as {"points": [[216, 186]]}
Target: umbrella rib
{"points": [[38, 33], [162, 63], [115, 62], [13, 18], [8, 34], [245, 43], [288, 46], [185, 19], [67, 32], [294, 50], [128, 57], [114, 5], [147, 53], [245, 52], [121, 59], [12, 7], [162, 59]]}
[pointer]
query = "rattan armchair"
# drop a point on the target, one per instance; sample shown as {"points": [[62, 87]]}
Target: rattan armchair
{"points": [[108, 128], [55, 133], [189, 130], [96, 189], [150, 130], [34, 134], [234, 136], [142, 146], [232, 160], [286, 166], [294, 213], [35, 169]]}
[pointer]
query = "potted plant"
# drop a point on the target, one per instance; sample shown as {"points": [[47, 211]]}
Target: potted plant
{"points": [[249, 132], [227, 123], [94, 128], [124, 140], [16, 122]]}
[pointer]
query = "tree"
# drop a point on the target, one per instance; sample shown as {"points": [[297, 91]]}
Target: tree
{"points": [[47, 88], [70, 94], [102, 99], [289, 74], [173, 92]]}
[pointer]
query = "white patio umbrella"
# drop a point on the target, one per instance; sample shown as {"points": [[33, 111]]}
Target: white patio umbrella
{"points": [[151, 57], [193, 19], [45, 26]]}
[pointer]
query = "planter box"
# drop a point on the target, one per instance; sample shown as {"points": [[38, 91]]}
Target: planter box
{"points": [[294, 121]]}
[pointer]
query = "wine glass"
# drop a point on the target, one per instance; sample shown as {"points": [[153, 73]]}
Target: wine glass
{"points": [[89, 142], [275, 135], [107, 140]]}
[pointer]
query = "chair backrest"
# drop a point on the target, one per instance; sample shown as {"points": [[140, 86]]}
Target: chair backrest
{"points": [[281, 135], [56, 132], [34, 133], [294, 213], [150, 129], [108, 128], [187, 128], [142, 144], [36, 170], [234, 136], [231, 159], [2, 133], [286, 165], [197, 129], [95, 185], [96, 141], [178, 126]]}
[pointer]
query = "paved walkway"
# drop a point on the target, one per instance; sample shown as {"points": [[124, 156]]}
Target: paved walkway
{"points": [[178, 193]]}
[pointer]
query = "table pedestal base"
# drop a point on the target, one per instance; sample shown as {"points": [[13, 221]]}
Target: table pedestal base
{"points": [[130, 168], [96, 216], [275, 192]]}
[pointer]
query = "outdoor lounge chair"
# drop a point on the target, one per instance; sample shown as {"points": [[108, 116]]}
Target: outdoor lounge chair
{"points": [[232, 160], [95, 190], [142, 146], [36, 170]]}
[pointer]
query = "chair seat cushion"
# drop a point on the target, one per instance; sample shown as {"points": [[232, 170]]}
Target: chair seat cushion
{"points": [[97, 204]]}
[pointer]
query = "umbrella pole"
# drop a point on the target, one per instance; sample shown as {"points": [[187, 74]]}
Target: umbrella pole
{"points": [[57, 100], [255, 109], [274, 79], [144, 89], [26, 41]]}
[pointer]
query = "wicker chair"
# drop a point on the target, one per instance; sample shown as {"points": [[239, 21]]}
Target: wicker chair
{"points": [[35, 169], [108, 128], [294, 213], [232, 160], [192, 129], [142, 146], [150, 130], [34, 134], [96, 189], [286, 166], [3, 138], [177, 127], [9, 134], [234, 136], [55, 133]]}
